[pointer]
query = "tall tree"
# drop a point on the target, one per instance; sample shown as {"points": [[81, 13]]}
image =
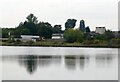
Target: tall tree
{"points": [[70, 23], [32, 19], [29, 26], [87, 29], [82, 26], [44, 29]]}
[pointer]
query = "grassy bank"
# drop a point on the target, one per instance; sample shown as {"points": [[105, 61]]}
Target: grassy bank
{"points": [[97, 44]]}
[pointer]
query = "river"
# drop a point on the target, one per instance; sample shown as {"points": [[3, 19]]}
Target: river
{"points": [[59, 63]]}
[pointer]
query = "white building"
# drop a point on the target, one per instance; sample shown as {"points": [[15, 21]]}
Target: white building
{"points": [[57, 36], [26, 38], [100, 30]]}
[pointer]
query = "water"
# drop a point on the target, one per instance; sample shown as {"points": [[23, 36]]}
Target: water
{"points": [[59, 63]]}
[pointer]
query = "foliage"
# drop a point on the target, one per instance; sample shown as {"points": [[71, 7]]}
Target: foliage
{"points": [[108, 35], [44, 29], [99, 37], [70, 23], [25, 31], [82, 26], [71, 35], [87, 36], [56, 29], [87, 29], [32, 19], [5, 33], [31, 27]]}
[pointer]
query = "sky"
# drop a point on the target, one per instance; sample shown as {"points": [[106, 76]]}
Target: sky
{"points": [[94, 12]]}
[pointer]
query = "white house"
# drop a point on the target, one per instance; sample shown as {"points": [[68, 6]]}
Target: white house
{"points": [[57, 36], [26, 38], [100, 30]]}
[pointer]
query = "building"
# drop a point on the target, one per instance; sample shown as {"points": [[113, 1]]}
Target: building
{"points": [[26, 38], [100, 30], [57, 36]]}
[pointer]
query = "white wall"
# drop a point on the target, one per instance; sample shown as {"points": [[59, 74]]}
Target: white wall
{"points": [[100, 30]]}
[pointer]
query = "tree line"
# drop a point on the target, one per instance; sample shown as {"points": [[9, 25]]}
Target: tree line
{"points": [[31, 26]]}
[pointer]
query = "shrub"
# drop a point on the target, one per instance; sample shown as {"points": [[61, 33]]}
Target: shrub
{"points": [[72, 35]]}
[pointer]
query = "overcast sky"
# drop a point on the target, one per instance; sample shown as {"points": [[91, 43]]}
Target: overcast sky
{"points": [[94, 12]]}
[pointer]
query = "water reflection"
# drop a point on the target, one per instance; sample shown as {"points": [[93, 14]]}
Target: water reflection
{"points": [[71, 62], [31, 62], [104, 60]]}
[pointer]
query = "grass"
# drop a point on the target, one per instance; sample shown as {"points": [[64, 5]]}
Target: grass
{"points": [[106, 44]]}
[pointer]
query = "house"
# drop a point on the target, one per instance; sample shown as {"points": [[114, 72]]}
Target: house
{"points": [[100, 30], [57, 36], [26, 38]]}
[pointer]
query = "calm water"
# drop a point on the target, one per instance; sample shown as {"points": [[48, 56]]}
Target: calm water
{"points": [[59, 63]]}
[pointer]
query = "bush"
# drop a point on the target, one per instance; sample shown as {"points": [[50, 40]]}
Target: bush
{"points": [[72, 36], [29, 42], [17, 41]]}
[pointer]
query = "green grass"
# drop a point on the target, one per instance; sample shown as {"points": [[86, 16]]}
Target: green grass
{"points": [[108, 44]]}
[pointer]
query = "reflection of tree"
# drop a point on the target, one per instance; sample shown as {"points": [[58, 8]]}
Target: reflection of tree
{"points": [[30, 62], [82, 63], [44, 62], [70, 62], [31, 65], [103, 60], [83, 59]]}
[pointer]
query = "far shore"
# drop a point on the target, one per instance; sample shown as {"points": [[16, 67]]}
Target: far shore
{"points": [[87, 46]]}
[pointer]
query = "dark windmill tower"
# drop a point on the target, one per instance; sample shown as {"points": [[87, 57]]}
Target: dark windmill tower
{"points": [[82, 25]]}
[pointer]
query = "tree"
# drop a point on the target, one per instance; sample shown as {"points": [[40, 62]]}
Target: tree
{"points": [[32, 19], [16, 33], [25, 31], [99, 37], [87, 29], [82, 26], [70, 23], [72, 35], [57, 29], [108, 35], [5, 33], [29, 26], [44, 29]]}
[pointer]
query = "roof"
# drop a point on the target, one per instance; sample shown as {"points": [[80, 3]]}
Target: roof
{"points": [[29, 36], [100, 27]]}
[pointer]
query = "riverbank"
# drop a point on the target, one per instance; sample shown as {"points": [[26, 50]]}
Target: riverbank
{"points": [[60, 44]]}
